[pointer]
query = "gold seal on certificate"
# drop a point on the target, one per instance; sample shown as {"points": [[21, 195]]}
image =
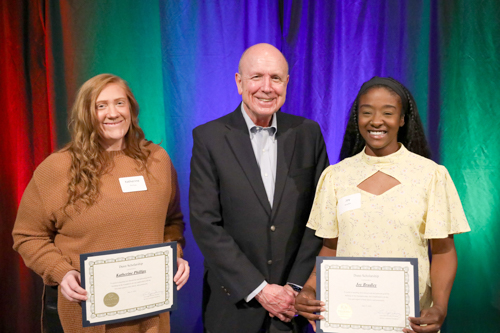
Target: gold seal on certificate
{"points": [[128, 283], [364, 295], [111, 299]]}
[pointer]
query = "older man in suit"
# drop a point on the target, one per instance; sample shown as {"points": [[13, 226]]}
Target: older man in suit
{"points": [[253, 178]]}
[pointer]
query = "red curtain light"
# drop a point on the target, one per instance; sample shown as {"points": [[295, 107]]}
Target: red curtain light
{"points": [[27, 137]]}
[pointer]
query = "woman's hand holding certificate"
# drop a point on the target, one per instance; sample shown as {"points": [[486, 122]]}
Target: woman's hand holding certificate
{"points": [[71, 289], [182, 274], [306, 304]]}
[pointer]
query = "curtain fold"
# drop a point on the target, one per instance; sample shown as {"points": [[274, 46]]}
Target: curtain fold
{"points": [[469, 119], [27, 137], [202, 42], [335, 46]]}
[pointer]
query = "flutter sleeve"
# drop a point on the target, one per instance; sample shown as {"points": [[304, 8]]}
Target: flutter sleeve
{"points": [[323, 216], [445, 215]]}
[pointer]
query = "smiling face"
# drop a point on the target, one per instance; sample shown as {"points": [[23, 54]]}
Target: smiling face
{"points": [[262, 82], [379, 119], [113, 114]]}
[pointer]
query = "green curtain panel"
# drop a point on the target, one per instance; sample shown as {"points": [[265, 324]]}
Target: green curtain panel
{"points": [[470, 58]]}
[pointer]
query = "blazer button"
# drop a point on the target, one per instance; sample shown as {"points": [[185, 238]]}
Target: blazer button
{"points": [[269, 262], [273, 228]]}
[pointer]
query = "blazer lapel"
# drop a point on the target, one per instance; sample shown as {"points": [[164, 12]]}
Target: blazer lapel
{"points": [[239, 141], [286, 147]]}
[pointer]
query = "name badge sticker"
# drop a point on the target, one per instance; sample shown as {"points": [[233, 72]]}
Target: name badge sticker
{"points": [[349, 202], [133, 184]]}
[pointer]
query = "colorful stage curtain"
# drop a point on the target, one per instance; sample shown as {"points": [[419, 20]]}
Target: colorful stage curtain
{"points": [[180, 58], [26, 138]]}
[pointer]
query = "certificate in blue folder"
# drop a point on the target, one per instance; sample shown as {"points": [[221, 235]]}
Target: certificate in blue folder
{"points": [[365, 295], [129, 283]]}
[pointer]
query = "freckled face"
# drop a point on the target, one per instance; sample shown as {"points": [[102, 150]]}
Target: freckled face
{"points": [[113, 114], [379, 119], [262, 83]]}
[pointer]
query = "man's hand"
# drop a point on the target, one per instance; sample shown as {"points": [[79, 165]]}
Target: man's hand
{"points": [[306, 304], [278, 301], [290, 291], [431, 318], [70, 287]]}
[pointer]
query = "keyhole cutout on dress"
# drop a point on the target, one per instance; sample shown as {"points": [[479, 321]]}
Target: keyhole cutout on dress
{"points": [[378, 183]]}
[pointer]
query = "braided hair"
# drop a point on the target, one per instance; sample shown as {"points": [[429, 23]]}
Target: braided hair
{"points": [[411, 134]]}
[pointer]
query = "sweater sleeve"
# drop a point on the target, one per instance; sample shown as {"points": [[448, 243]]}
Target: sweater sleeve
{"points": [[33, 234], [174, 224]]}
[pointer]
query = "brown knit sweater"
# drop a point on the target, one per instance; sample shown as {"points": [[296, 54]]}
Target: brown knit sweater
{"points": [[51, 242]]}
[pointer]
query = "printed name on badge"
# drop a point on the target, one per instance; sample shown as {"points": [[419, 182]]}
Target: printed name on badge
{"points": [[133, 184], [349, 202]]}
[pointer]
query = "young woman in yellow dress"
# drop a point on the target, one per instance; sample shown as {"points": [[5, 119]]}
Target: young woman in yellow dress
{"points": [[406, 200]]}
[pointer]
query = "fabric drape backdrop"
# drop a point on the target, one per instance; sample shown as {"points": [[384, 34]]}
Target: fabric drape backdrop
{"points": [[180, 58]]}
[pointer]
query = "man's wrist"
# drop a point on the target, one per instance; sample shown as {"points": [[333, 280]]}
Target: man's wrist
{"points": [[295, 287], [256, 291]]}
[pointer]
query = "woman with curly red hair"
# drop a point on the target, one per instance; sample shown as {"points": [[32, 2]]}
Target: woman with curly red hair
{"points": [[74, 203]]}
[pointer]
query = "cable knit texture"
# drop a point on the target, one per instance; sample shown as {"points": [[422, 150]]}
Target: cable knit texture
{"points": [[51, 241]]}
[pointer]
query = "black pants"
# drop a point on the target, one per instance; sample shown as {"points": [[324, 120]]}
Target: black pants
{"points": [[50, 317], [299, 325]]}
